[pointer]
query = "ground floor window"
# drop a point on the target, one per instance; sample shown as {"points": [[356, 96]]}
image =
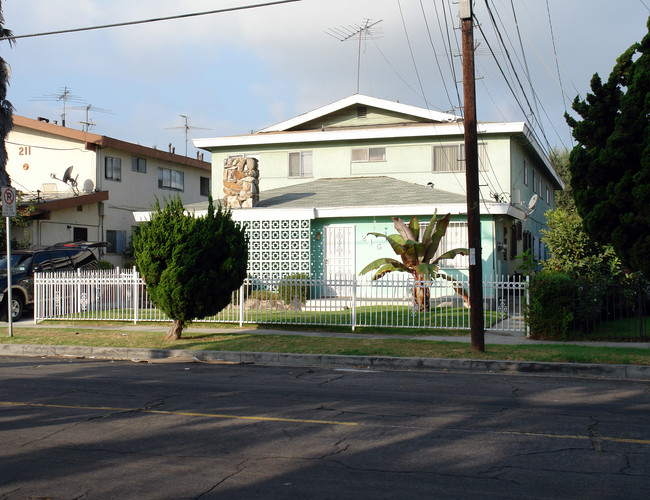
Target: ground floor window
{"points": [[116, 241], [455, 237]]}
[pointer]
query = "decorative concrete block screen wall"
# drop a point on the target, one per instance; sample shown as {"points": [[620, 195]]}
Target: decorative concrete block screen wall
{"points": [[241, 182], [277, 248]]}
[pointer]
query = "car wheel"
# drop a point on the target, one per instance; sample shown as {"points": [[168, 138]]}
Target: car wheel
{"points": [[17, 307]]}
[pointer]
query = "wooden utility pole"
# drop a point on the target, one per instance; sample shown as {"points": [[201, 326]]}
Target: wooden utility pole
{"points": [[477, 328]]}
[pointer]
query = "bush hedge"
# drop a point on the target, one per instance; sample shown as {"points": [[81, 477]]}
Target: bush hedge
{"points": [[295, 287], [549, 310]]}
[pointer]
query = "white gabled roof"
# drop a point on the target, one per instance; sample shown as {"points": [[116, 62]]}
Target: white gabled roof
{"points": [[363, 100], [360, 133]]}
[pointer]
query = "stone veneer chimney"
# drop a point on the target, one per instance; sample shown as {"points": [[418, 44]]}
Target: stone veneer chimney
{"points": [[240, 182]]}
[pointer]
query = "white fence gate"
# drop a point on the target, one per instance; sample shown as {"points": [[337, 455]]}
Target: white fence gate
{"points": [[118, 295]]}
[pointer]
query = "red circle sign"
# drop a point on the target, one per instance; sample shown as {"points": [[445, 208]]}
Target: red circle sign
{"points": [[8, 197]]}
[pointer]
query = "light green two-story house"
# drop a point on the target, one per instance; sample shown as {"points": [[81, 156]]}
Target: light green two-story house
{"points": [[329, 177]]}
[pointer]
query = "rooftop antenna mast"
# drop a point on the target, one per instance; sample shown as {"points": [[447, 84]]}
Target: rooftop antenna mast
{"points": [[88, 108], [187, 128], [344, 33], [64, 95]]}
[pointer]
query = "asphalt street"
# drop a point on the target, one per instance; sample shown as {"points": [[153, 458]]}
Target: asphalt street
{"points": [[96, 429]]}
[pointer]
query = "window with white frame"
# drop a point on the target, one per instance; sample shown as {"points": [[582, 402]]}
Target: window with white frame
{"points": [[113, 168], [456, 236], [369, 154], [171, 179], [451, 158], [548, 195], [301, 164]]}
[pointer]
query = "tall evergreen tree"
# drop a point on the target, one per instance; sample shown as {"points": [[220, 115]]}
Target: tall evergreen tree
{"points": [[6, 109], [610, 165], [191, 265]]}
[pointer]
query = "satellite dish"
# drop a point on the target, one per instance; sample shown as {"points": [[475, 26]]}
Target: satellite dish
{"points": [[67, 178], [531, 204], [67, 175]]}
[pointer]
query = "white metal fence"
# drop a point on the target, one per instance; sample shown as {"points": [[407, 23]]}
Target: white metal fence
{"points": [[393, 301]]}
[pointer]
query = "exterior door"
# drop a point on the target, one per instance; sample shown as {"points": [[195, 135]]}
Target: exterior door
{"points": [[339, 265]]}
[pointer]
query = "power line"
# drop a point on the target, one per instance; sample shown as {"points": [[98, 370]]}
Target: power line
{"points": [[408, 41], [557, 64], [146, 21], [518, 80], [442, 77]]}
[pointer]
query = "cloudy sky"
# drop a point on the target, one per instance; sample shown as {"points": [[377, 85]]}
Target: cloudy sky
{"points": [[234, 72]]}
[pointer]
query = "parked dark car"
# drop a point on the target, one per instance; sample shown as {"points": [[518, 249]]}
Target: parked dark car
{"points": [[26, 262]]}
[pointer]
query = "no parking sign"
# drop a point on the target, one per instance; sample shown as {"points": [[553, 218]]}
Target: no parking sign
{"points": [[8, 202]]}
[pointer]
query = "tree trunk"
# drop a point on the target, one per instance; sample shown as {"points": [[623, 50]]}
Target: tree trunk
{"points": [[421, 296], [174, 333]]}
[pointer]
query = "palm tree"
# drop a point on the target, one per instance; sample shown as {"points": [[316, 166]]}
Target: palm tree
{"points": [[6, 109], [417, 250]]}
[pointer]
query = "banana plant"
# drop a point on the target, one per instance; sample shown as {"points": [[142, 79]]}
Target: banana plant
{"points": [[417, 249]]}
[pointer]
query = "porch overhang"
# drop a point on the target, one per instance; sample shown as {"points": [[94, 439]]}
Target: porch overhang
{"points": [[262, 213], [44, 209]]}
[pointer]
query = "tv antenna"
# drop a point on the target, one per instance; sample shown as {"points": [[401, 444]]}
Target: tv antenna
{"points": [[187, 127], [64, 95], [345, 33], [88, 124]]}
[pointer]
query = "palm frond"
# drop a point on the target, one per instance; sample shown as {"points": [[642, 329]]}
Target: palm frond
{"points": [[403, 229], [395, 240], [378, 263], [450, 254], [388, 268]]}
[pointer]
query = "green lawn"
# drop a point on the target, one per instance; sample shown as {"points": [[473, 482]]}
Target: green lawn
{"points": [[399, 346]]}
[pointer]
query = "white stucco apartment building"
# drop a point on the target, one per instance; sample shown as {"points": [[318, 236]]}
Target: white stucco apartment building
{"points": [[108, 179]]}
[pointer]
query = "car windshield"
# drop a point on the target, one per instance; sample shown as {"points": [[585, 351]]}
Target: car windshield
{"points": [[19, 263]]}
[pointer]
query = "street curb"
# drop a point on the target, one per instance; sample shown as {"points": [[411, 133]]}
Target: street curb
{"points": [[634, 372]]}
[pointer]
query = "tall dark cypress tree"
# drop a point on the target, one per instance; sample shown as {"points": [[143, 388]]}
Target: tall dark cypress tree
{"points": [[6, 109], [610, 165]]}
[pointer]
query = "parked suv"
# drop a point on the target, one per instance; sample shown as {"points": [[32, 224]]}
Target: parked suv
{"points": [[26, 262]]}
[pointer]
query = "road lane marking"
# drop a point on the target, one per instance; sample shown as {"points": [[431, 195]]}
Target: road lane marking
{"points": [[572, 436], [183, 413], [306, 421]]}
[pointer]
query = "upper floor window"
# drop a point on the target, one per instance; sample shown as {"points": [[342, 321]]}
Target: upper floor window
{"points": [[534, 184], [548, 195], [205, 186], [139, 164], [113, 168], [301, 164], [451, 158], [171, 179], [369, 154], [525, 172]]}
